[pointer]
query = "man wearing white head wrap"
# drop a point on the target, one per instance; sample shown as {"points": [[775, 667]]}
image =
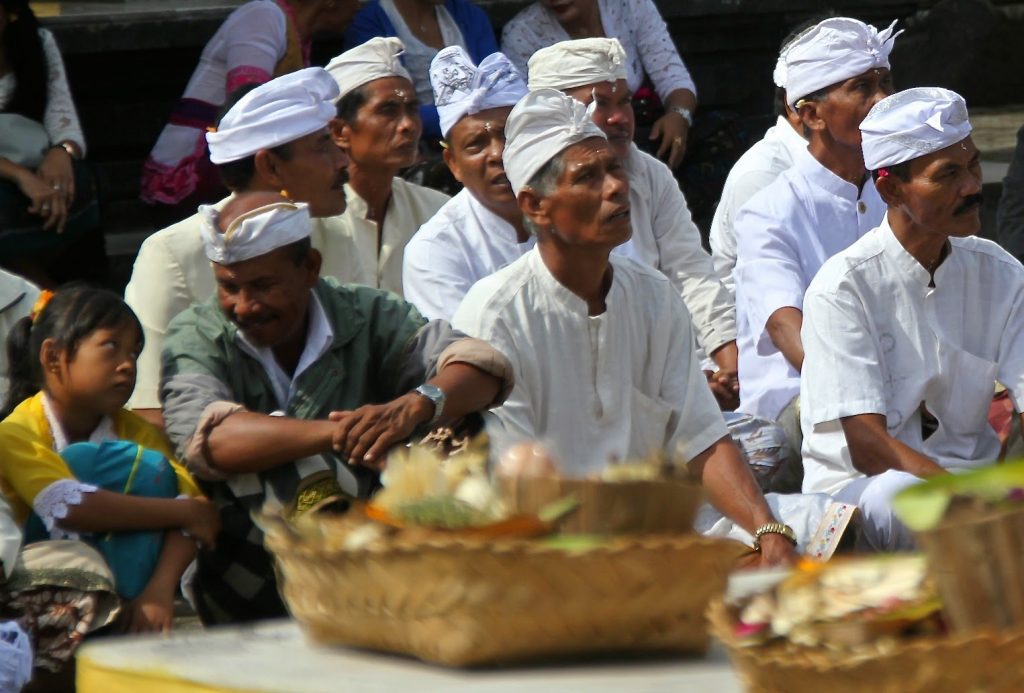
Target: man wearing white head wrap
{"points": [[273, 138], [285, 391], [481, 229], [906, 330], [601, 346], [664, 236], [820, 206], [378, 125]]}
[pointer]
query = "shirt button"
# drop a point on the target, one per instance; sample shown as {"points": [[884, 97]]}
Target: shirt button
{"points": [[861, 207]]}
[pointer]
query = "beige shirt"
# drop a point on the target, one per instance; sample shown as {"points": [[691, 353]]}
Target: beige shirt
{"points": [[172, 272], [410, 207]]}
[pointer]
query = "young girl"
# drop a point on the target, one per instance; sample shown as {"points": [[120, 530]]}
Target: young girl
{"points": [[74, 462]]}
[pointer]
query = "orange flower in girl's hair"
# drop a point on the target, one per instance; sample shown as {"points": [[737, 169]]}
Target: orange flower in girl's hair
{"points": [[44, 299]]}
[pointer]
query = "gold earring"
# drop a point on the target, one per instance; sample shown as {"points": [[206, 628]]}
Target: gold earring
{"points": [[285, 195]]}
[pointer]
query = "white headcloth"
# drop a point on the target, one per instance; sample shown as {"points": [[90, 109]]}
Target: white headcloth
{"points": [[541, 125], [462, 89], [254, 233], [378, 58], [571, 64], [830, 52], [274, 113], [912, 123]]}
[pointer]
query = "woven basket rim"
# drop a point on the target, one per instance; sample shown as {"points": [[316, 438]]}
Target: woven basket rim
{"points": [[809, 658]]}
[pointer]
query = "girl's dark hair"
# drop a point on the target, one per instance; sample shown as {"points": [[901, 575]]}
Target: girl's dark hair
{"points": [[74, 312], [23, 48]]}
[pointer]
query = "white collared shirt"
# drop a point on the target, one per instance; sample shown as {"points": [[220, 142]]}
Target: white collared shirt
{"points": [[666, 239], [879, 340], [783, 235], [619, 385], [461, 244], [319, 335], [754, 171]]}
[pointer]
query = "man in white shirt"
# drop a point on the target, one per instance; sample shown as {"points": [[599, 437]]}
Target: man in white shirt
{"points": [[600, 345], [834, 73], [273, 138], [481, 229], [378, 125], [593, 71], [918, 318]]}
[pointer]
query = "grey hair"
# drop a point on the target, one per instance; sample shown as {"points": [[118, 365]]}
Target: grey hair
{"points": [[543, 183]]}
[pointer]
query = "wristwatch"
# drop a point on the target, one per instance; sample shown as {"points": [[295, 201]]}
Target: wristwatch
{"points": [[773, 528], [685, 112], [435, 395]]}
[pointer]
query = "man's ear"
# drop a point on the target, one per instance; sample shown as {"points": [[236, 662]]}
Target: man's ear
{"points": [[449, 160], [810, 116], [268, 168], [313, 262], [341, 132], [534, 208], [890, 190]]}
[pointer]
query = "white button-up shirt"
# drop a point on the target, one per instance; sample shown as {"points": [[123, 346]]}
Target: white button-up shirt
{"points": [[783, 235], [665, 238], [619, 385], [754, 171], [879, 340], [461, 244]]}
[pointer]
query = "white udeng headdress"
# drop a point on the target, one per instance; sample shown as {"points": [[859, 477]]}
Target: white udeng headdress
{"points": [[541, 125], [255, 233], [569, 64], [274, 113], [461, 88], [378, 58], [912, 123], [831, 51]]}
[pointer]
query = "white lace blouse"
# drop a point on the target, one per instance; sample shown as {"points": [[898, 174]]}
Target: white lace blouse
{"points": [[60, 117], [636, 23]]}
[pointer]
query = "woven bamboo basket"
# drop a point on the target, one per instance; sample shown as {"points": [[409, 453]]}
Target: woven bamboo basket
{"points": [[977, 563], [609, 507], [983, 661], [464, 603]]}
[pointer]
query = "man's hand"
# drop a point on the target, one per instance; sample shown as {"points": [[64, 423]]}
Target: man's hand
{"points": [[204, 525], [365, 434], [777, 550], [725, 386]]}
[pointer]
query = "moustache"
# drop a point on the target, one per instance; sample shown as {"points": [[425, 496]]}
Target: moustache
{"points": [[969, 204]]}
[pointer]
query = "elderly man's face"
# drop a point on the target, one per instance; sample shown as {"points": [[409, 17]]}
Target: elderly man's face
{"points": [[475, 146], [315, 172], [387, 127], [847, 103], [590, 202], [614, 111], [943, 195], [268, 296]]}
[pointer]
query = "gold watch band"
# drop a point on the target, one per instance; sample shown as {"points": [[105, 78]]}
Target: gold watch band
{"points": [[773, 528]]}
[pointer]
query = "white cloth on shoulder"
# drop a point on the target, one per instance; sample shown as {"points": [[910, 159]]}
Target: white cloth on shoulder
{"points": [[15, 657], [274, 113], [912, 123], [378, 58], [569, 64], [461, 88], [254, 233], [831, 51], [541, 125]]}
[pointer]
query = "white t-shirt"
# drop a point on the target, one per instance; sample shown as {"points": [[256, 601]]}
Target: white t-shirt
{"points": [[754, 171], [783, 235], [665, 238], [879, 340], [461, 244], [619, 385], [636, 23]]}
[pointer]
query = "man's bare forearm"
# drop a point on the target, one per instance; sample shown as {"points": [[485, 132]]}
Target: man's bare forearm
{"points": [[873, 451], [251, 442], [784, 330], [729, 485], [467, 389]]}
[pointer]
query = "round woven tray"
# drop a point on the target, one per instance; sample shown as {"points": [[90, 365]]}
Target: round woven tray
{"points": [[982, 661], [463, 603]]}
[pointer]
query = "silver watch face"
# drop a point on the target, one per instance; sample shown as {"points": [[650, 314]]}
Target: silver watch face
{"points": [[435, 395]]}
